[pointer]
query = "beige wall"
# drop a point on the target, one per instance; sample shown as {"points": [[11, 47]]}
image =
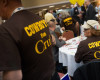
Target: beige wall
{"points": [[31, 3]]}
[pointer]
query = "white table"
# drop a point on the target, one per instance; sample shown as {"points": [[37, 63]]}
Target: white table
{"points": [[67, 53]]}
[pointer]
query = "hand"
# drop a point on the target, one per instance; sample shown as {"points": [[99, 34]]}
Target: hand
{"points": [[80, 15], [81, 12], [62, 38], [67, 44], [63, 28]]}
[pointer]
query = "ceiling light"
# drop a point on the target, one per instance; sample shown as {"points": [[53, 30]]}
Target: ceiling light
{"points": [[44, 9], [64, 6], [57, 8], [51, 6]]}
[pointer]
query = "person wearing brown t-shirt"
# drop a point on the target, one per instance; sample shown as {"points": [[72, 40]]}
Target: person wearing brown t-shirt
{"points": [[68, 23], [25, 44], [89, 49]]}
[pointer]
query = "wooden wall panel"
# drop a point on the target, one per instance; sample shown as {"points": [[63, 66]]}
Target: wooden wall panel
{"points": [[31, 3]]}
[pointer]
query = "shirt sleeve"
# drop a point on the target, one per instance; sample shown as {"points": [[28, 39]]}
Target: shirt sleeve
{"points": [[59, 43], [79, 53], [9, 53]]}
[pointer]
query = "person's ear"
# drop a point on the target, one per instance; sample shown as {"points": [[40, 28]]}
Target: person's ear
{"points": [[5, 2]]}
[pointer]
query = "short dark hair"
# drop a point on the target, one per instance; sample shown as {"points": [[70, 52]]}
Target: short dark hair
{"points": [[47, 11]]}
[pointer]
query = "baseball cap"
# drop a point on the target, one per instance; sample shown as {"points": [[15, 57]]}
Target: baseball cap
{"points": [[91, 24]]}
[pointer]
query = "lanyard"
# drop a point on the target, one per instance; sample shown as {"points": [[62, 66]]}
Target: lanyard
{"points": [[17, 9]]}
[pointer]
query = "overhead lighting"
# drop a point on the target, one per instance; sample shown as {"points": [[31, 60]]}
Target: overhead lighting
{"points": [[57, 8], [51, 6], [44, 9], [60, 10], [64, 6]]}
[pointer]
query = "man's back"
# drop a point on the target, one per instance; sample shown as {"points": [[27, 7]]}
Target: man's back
{"points": [[90, 14], [27, 42]]}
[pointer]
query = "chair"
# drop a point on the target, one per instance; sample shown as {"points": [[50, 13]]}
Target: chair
{"points": [[89, 71], [65, 77], [68, 34], [58, 34]]}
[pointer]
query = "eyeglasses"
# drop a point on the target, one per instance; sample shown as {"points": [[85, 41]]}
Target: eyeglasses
{"points": [[85, 30]]}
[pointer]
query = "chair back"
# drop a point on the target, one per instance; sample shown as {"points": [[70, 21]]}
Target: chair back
{"points": [[68, 34], [65, 77]]}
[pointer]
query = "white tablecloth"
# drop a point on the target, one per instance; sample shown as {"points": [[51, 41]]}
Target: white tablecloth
{"points": [[67, 53]]}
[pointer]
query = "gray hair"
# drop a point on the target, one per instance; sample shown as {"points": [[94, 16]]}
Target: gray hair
{"points": [[51, 24], [64, 14]]}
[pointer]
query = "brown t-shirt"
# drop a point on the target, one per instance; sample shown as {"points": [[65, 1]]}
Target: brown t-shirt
{"points": [[25, 44], [88, 50], [69, 24]]}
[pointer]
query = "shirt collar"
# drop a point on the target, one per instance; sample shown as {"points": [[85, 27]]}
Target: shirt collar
{"points": [[17, 9]]}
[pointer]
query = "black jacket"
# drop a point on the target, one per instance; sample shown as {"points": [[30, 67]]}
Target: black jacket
{"points": [[75, 16], [90, 14], [83, 14], [89, 71]]}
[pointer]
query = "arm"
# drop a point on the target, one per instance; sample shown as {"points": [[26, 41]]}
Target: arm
{"points": [[10, 61], [12, 75], [60, 43], [79, 53]]}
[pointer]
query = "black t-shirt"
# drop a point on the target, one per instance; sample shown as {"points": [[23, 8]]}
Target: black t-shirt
{"points": [[88, 50], [25, 44]]}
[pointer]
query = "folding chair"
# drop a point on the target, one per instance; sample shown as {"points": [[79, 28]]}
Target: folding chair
{"points": [[68, 34]]}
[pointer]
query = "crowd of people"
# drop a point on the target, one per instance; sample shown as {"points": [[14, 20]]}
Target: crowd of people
{"points": [[29, 45], [78, 17]]}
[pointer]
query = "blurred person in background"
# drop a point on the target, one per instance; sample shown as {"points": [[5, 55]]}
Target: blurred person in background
{"points": [[83, 12], [58, 28], [72, 10], [52, 27], [55, 49], [68, 23], [77, 13], [25, 44], [55, 14], [49, 16], [59, 19], [97, 9], [90, 13]]}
